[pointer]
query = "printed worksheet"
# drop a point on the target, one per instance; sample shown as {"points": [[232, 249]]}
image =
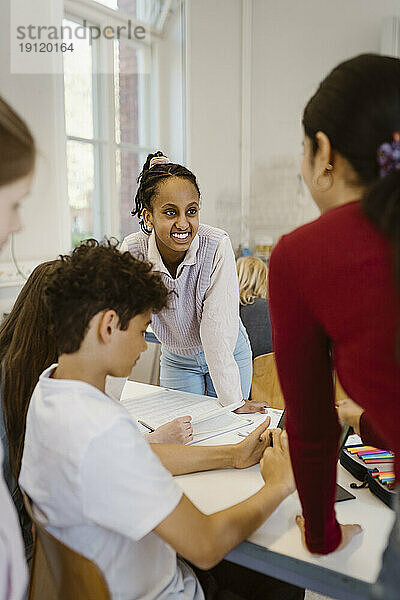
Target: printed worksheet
{"points": [[164, 405], [154, 406], [259, 418]]}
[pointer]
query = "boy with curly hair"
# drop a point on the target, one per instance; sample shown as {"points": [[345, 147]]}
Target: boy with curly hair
{"points": [[104, 490]]}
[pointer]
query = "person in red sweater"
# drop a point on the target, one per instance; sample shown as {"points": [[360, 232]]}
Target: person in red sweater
{"points": [[334, 290]]}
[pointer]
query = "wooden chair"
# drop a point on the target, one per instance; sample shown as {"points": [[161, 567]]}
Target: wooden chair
{"points": [[60, 573], [266, 387], [265, 384]]}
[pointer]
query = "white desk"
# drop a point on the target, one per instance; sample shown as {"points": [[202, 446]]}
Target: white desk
{"points": [[275, 548]]}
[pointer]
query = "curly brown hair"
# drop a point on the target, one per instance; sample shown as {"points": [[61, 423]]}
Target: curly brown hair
{"points": [[94, 278]]}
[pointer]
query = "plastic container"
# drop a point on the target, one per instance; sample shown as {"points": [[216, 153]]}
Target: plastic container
{"points": [[263, 248]]}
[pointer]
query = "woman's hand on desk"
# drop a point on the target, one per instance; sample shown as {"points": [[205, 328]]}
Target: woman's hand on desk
{"points": [[275, 465], [178, 431], [348, 532], [250, 451], [252, 406]]}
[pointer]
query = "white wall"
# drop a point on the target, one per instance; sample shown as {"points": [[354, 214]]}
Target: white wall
{"points": [[170, 56], [38, 98], [295, 44], [214, 107]]}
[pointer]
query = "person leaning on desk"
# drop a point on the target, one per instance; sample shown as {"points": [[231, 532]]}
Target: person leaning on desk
{"points": [[204, 345], [334, 285]]}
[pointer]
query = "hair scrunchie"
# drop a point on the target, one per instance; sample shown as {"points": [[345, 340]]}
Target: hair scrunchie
{"points": [[389, 155], [159, 160]]}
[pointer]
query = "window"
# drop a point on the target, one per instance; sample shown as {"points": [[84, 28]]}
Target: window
{"points": [[108, 98], [132, 91], [152, 12]]}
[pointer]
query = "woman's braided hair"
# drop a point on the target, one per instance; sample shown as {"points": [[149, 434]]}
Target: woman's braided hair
{"points": [[149, 181]]}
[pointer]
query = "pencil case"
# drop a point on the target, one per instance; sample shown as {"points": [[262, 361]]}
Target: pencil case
{"points": [[377, 476]]}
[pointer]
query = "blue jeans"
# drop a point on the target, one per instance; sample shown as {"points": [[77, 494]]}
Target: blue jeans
{"points": [[191, 374], [387, 586]]}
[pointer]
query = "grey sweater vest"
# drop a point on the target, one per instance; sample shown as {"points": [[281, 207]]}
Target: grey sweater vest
{"points": [[178, 325]]}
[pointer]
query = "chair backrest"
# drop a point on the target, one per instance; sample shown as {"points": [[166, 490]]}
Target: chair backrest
{"points": [[60, 573], [265, 385]]}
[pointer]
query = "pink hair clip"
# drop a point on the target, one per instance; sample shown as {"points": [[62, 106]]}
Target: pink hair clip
{"points": [[159, 160]]}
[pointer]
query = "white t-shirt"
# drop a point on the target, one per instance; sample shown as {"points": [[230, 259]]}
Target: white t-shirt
{"points": [[13, 569], [102, 489]]}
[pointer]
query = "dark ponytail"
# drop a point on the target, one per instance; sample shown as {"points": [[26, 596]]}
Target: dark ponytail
{"points": [[149, 181], [381, 204], [358, 107]]}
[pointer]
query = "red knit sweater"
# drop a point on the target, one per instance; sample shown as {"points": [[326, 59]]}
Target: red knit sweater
{"points": [[332, 284]]}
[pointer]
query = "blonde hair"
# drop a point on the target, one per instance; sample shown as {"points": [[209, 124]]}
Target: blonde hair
{"points": [[253, 279], [17, 147]]}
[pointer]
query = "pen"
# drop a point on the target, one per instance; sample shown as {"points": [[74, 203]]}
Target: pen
{"points": [[151, 429]]}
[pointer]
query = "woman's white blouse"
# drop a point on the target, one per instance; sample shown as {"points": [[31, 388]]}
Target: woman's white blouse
{"points": [[219, 326]]}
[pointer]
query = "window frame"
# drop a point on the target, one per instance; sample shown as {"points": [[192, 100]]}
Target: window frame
{"points": [[106, 192]]}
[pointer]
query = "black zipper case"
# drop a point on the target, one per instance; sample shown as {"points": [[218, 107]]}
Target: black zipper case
{"points": [[363, 473]]}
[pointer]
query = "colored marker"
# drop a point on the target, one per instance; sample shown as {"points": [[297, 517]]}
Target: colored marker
{"points": [[376, 451], [356, 449]]}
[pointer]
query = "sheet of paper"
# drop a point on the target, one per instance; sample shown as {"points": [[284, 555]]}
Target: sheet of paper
{"points": [[259, 418], [164, 405], [222, 424], [353, 439]]}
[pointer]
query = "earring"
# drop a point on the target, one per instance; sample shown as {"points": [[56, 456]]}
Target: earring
{"points": [[324, 187]]}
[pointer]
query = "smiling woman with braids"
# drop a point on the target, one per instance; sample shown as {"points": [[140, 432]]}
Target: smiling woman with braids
{"points": [[205, 348]]}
